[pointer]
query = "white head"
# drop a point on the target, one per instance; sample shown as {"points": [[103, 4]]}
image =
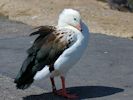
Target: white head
{"points": [[70, 17]]}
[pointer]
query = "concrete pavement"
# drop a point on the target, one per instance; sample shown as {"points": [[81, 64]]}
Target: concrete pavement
{"points": [[104, 73]]}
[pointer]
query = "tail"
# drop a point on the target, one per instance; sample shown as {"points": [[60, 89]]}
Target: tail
{"points": [[25, 76]]}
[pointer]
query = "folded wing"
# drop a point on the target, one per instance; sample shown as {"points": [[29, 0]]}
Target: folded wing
{"points": [[46, 49]]}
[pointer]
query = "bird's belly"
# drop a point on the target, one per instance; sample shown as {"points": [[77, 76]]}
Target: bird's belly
{"points": [[68, 59]]}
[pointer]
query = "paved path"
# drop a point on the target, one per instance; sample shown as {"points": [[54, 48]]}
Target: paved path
{"points": [[104, 73]]}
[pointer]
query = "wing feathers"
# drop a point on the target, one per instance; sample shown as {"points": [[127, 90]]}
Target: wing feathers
{"points": [[43, 30], [45, 50]]}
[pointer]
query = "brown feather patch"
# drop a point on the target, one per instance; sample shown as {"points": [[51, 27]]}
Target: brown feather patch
{"points": [[49, 45]]}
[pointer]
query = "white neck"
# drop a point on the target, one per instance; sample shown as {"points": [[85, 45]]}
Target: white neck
{"points": [[62, 24]]}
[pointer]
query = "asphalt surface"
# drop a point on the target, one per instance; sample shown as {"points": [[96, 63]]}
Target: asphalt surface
{"points": [[104, 72]]}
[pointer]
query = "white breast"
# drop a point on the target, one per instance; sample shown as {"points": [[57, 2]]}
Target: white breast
{"points": [[71, 55]]}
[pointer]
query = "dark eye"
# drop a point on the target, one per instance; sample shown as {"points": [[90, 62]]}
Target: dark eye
{"points": [[75, 19]]}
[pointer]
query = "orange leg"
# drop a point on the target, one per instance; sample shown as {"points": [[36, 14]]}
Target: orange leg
{"points": [[63, 91]]}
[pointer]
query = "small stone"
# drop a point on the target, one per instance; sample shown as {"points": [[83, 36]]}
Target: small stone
{"points": [[105, 52]]}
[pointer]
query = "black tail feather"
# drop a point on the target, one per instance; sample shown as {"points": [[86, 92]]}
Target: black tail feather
{"points": [[25, 76]]}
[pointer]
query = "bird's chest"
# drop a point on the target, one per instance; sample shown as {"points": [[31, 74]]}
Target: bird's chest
{"points": [[76, 52], [71, 58], [72, 55]]}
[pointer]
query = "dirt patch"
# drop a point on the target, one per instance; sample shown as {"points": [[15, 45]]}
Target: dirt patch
{"points": [[99, 17]]}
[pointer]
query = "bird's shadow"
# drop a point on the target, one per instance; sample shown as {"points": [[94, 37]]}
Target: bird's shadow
{"points": [[83, 92]]}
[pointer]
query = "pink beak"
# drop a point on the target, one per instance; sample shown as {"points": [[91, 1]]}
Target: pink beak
{"points": [[78, 27]]}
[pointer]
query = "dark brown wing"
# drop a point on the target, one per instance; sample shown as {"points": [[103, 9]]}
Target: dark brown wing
{"points": [[43, 30], [45, 50], [49, 48]]}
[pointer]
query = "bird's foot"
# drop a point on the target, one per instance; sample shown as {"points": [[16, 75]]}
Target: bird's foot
{"points": [[54, 91], [66, 94]]}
